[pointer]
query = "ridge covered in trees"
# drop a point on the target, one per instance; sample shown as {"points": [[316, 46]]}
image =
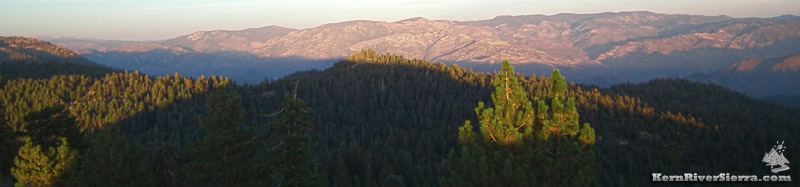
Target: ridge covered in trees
{"points": [[43, 70], [384, 120]]}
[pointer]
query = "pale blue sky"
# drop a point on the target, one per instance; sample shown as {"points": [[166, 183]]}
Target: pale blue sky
{"points": [[163, 19]]}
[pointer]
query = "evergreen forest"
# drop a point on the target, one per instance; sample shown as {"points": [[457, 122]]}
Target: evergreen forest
{"points": [[374, 120]]}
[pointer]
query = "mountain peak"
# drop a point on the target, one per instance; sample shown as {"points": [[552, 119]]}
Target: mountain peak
{"points": [[642, 12], [414, 19], [271, 27], [787, 17]]}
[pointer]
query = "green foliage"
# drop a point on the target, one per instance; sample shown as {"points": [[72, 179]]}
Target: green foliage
{"points": [[127, 99], [292, 147], [43, 70], [342, 176], [96, 102], [714, 124], [586, 136], [48, 126], [227, 155], [7, 146], [382, 119], [113, 160], [35, 167], [512, 115], [225, 112], [162, 159], [520, 149]]}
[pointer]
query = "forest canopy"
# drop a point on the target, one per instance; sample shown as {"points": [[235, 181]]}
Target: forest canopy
{"points": [[385, 120]]}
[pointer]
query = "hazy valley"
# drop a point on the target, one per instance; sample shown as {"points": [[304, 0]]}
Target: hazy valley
{"points": [[601, 49]]}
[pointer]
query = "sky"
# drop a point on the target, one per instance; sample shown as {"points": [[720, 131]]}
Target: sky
{"points": [[164, 19]]}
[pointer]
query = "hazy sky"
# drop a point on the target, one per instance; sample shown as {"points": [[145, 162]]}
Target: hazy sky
{"points": [[162, 19]]}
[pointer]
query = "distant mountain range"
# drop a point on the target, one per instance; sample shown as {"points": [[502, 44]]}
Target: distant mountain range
{"points": [[757, 76], [601, 49]]}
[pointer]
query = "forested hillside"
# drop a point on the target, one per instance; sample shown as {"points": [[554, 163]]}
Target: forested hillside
{"points": [[43, 70], [371, 120], [33, 50]]}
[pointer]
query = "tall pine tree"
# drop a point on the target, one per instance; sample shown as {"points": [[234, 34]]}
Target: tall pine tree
{"points": [[523, 145], [36, 167], [292, 151], [227, 155]]}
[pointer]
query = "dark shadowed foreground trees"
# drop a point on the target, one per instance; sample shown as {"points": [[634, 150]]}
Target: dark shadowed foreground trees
{"points": [[113, 160], [48, 126], [8, 148], [292, 147], [228, 154]]}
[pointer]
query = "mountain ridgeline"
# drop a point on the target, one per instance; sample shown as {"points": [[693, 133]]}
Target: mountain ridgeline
{"points": [[31, 58], [33, 50], [382, 120], [600, 49]]}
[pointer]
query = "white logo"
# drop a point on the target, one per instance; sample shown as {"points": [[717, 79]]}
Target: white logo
{"points": [[775, 158]]}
